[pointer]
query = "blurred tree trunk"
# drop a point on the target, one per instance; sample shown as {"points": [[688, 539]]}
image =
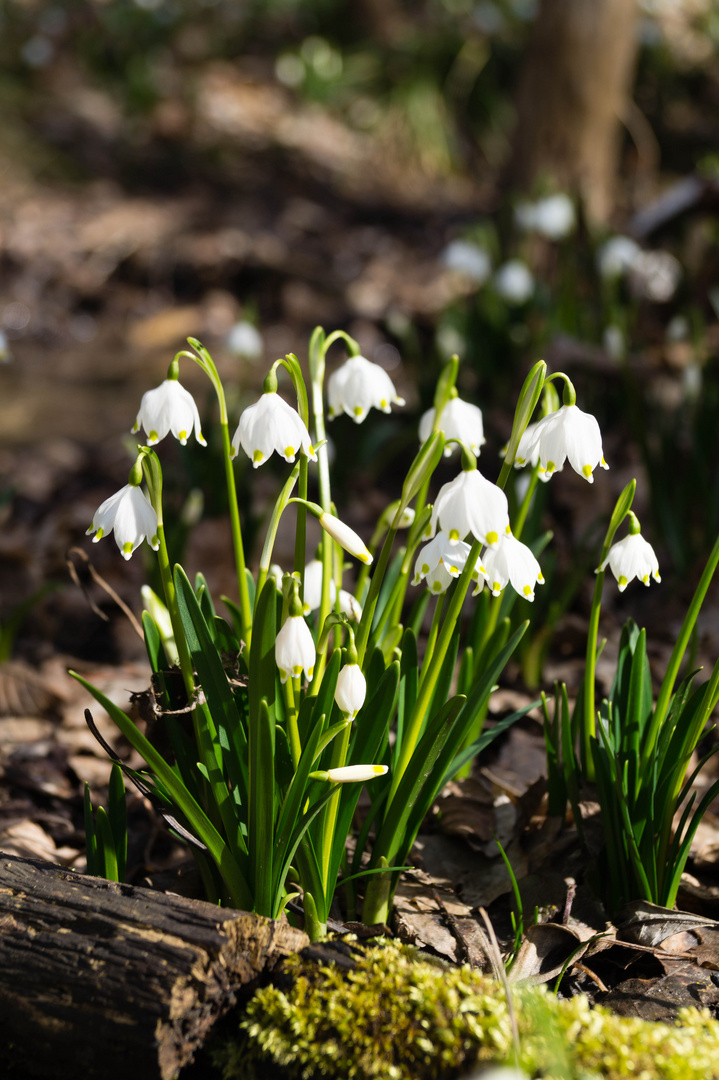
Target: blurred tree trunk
{"points": [[573, 93]]}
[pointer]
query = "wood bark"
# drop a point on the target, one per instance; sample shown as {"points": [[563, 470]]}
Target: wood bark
{"points": [[105, 980], [573, 94]]}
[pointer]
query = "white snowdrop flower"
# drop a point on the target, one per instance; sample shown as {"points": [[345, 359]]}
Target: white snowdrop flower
{"points": [[358, 386], [566, 433], [295, 649], [245, 341], [528, 453], [276, 574], [351, 690], [129, 514], [613, 341], [451, 555], [632, 557], [355, 774], [464, 257], [512, 561], [617, 255], [470, 504], [271, 424], [655, 276], [460, 420], [169, 407], [349, 605], [345, 537], [514, 282]]}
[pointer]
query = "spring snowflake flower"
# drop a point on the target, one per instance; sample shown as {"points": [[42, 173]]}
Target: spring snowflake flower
{"points": [[470, 260], [552, 216], [632, 557], [617, 255], [354, 774], [566, 433], [313, 593], [471, 504], [351, 690], [655, 275], [271, 424], [245, 341], [169, 407], [129, 514], [514, 282], [442, 560], [512, 561], [528, 452], [358, 386], [345, 537], [295, 649], [460, 420]]}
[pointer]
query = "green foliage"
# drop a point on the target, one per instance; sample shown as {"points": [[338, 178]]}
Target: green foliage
{"points": [[397, 1016], [106, 835]]}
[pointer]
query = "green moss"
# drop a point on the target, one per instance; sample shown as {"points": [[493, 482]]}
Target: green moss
{"points": [[401, 1018]]}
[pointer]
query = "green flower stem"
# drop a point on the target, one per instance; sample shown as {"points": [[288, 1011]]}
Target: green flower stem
{"points": [[667, 688], [365, 626], [205, 361], [280, 506], [301, 529], [426, 689], [340, 747], [589, 724], [292, 694], [432, 636]]}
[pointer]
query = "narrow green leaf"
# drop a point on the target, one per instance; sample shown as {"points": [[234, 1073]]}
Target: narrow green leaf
{"points": [[117, 815], [106, 845], [90, 838], [261, 808]]}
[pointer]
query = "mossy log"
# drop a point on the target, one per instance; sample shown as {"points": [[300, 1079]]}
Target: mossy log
{"points": [[105, 980]]}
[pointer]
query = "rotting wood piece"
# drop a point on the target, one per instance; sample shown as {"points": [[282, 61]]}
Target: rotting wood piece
{"points": [[105, 980]]}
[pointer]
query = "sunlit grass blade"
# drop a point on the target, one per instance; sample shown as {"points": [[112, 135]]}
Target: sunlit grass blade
{"points": [[117, 816]]}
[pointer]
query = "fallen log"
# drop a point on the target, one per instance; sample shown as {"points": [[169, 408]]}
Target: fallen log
{"points": [[99, 979]]}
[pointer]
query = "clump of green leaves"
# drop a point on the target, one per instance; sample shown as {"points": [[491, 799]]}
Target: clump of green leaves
{"points": [[399, 1017]]}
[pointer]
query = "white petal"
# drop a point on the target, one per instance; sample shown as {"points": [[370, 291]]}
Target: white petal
{"points": [[353, 774], [351, 689], [295, 649]]}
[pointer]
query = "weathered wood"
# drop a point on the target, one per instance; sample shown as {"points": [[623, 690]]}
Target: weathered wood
{"points": [[105, 980]]}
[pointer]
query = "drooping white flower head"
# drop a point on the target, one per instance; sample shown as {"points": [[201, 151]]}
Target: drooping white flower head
{"points": [[295, 649], [617, 255], [514, 282], [632, 557], [566, 433], [358, 386], [169, 407], [313, 593], [129, 514], [471, 504], [345, 537], [351, 690], [512, 561], [460, 420], [355, 774], [528, 452], [470, 260], [448, 555], [272, 425]]}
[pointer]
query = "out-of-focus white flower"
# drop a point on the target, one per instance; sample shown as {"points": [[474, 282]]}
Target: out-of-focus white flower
{"points": [[129, 514], [552, 216], [617, 255], [358, 386], [275, 573], [632, 557], [514, 282], [613, 341], [678, 328], [655, 276], [271, 424], [460, 420], [294, 649], [345, 537], [169, 407], [313, 593], [566, 433], [464, 257], [351, 690], [512, 561], [245, 341], [355, 774], [471, 504]]}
